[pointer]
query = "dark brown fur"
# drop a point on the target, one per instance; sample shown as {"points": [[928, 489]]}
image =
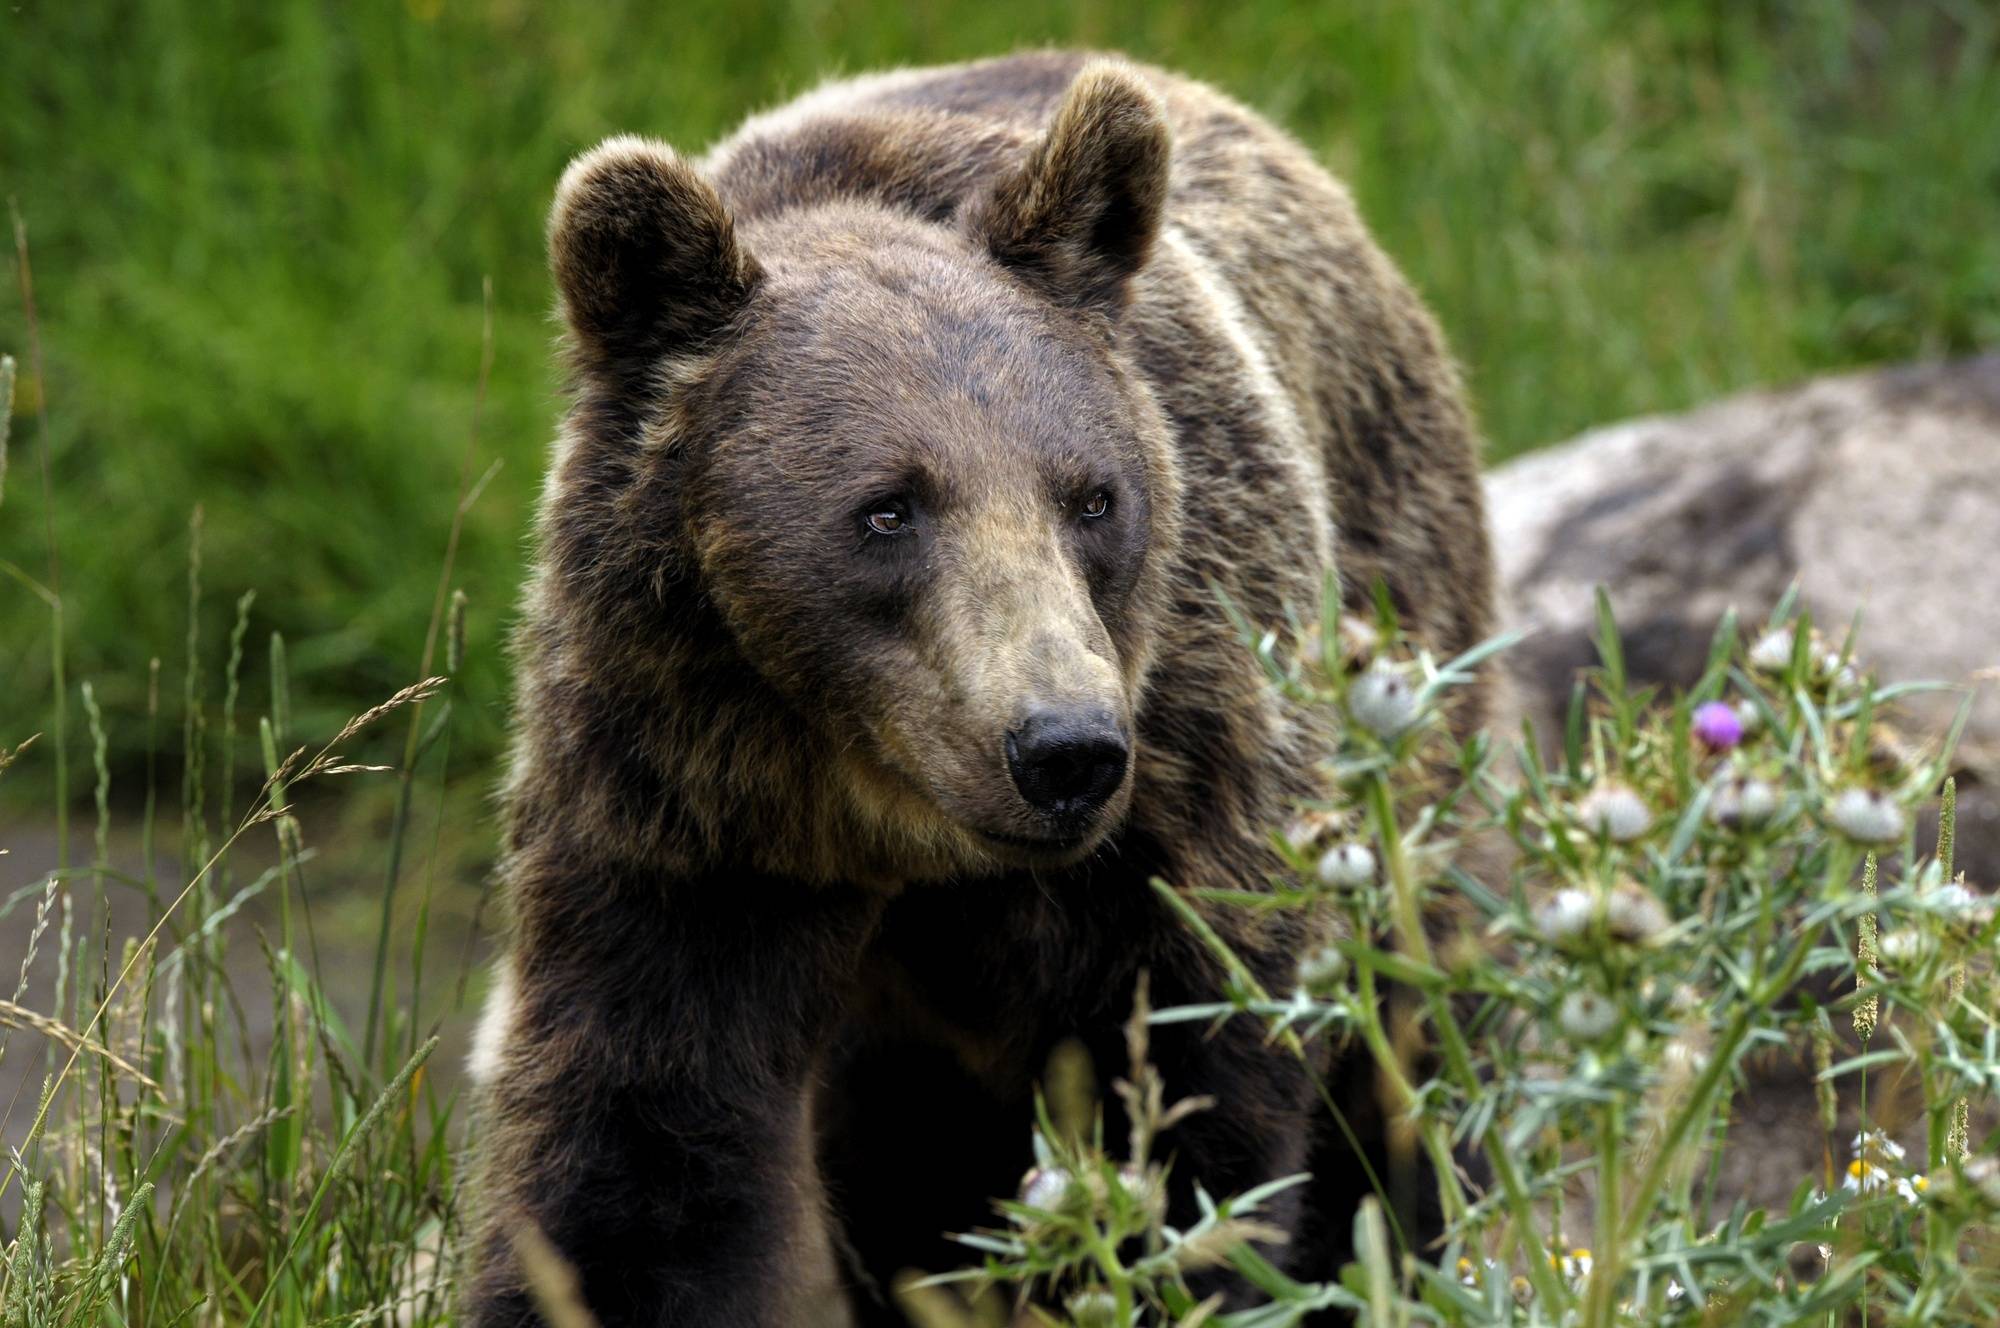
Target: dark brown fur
{"points": [[787, 949]]}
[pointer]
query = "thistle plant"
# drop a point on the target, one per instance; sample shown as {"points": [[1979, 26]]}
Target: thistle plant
{"points": [[1694, 886]]}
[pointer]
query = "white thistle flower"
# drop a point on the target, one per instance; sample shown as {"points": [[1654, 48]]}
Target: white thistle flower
{"points": [[1745, 801], [1565, 915], [1866, 815], [1613, 810], [1382, 700], [1586, 1016], [1633, 914], [1350, 865]]}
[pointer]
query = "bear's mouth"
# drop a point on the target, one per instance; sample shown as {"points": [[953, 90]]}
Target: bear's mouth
{"points": [[1040, 843]]}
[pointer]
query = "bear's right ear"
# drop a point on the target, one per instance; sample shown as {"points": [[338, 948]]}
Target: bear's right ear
{"points": [[1077, 219], [644, 255]]}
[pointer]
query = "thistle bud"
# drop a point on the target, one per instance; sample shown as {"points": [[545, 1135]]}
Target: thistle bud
{"points": [[1585, 1016], [1321, 970], [1565, 915], [1382, 700], [1742, 802], [1095, 1308], [1866, 815], [1632, 914], [1773, 651], [1616, 812], [1348, 865], [1983, 1174], [1046, 1188], [1960, 904]]}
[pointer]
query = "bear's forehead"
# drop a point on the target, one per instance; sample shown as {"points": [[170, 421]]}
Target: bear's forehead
{"points": [[923, 348]]}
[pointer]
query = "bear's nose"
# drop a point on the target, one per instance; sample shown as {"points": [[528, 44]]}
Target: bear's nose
{"points": [[1068, 762]]}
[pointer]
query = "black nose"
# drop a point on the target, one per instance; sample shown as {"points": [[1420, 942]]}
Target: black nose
{"points": [[1067, 762]]}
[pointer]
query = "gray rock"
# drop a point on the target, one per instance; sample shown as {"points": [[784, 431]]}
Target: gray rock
{"points": [[1879, 493]]}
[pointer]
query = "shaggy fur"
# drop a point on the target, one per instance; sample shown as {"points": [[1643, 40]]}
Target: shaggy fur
{"points": [[788, 946]]}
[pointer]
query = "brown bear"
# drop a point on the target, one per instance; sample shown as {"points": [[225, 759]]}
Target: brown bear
{"points": [[874, 663]]}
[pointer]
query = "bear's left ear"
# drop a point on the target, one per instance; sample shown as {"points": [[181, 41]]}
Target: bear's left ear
{"points": [[1078, 218]]}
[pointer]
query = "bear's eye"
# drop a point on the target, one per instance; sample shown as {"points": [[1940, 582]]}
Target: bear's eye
{"points": [[889, 519], [1097, 504]]}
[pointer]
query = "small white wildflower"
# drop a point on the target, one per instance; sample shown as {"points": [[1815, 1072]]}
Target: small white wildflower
{"points": [[1046, 1188], [1471, 1274], [1904, 947], [1350, 865], [1865, 1177], [1382, 700], [1675, 1291], [1615, 811], [1749, 716], [1745, 801], [1633, 914], [1586, 1016], [1866, 816], [1911, 1189], [1575, 1266], [1564, 915], [1876, 1143], [1322, 969], [1773, 651]]}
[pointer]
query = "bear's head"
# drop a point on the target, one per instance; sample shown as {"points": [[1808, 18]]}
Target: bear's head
{"points": [[886, 484]]}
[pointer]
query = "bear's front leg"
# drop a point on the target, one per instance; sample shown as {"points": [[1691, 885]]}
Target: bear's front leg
{"points": [[1262, 1121], [648, 1096]]}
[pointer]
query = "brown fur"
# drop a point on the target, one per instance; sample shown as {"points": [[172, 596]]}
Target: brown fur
{"points": [[769, 877]]}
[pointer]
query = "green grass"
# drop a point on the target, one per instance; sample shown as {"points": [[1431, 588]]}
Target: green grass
{"points": [[260, 232]]}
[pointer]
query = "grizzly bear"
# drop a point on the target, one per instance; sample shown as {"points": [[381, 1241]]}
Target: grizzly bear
{"points": [[875, 662]]}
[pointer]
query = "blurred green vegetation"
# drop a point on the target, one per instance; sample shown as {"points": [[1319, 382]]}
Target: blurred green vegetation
{"points": [[260, 229]]}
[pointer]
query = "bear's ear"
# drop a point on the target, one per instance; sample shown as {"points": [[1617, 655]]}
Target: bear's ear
{"points": [[1078, 217], [644, 255]]}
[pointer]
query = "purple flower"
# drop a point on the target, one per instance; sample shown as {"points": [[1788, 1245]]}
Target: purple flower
{"points": [[1717, 725]]}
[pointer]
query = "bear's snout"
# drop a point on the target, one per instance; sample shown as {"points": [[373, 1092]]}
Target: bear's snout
{"points": [[1067, 762]]}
